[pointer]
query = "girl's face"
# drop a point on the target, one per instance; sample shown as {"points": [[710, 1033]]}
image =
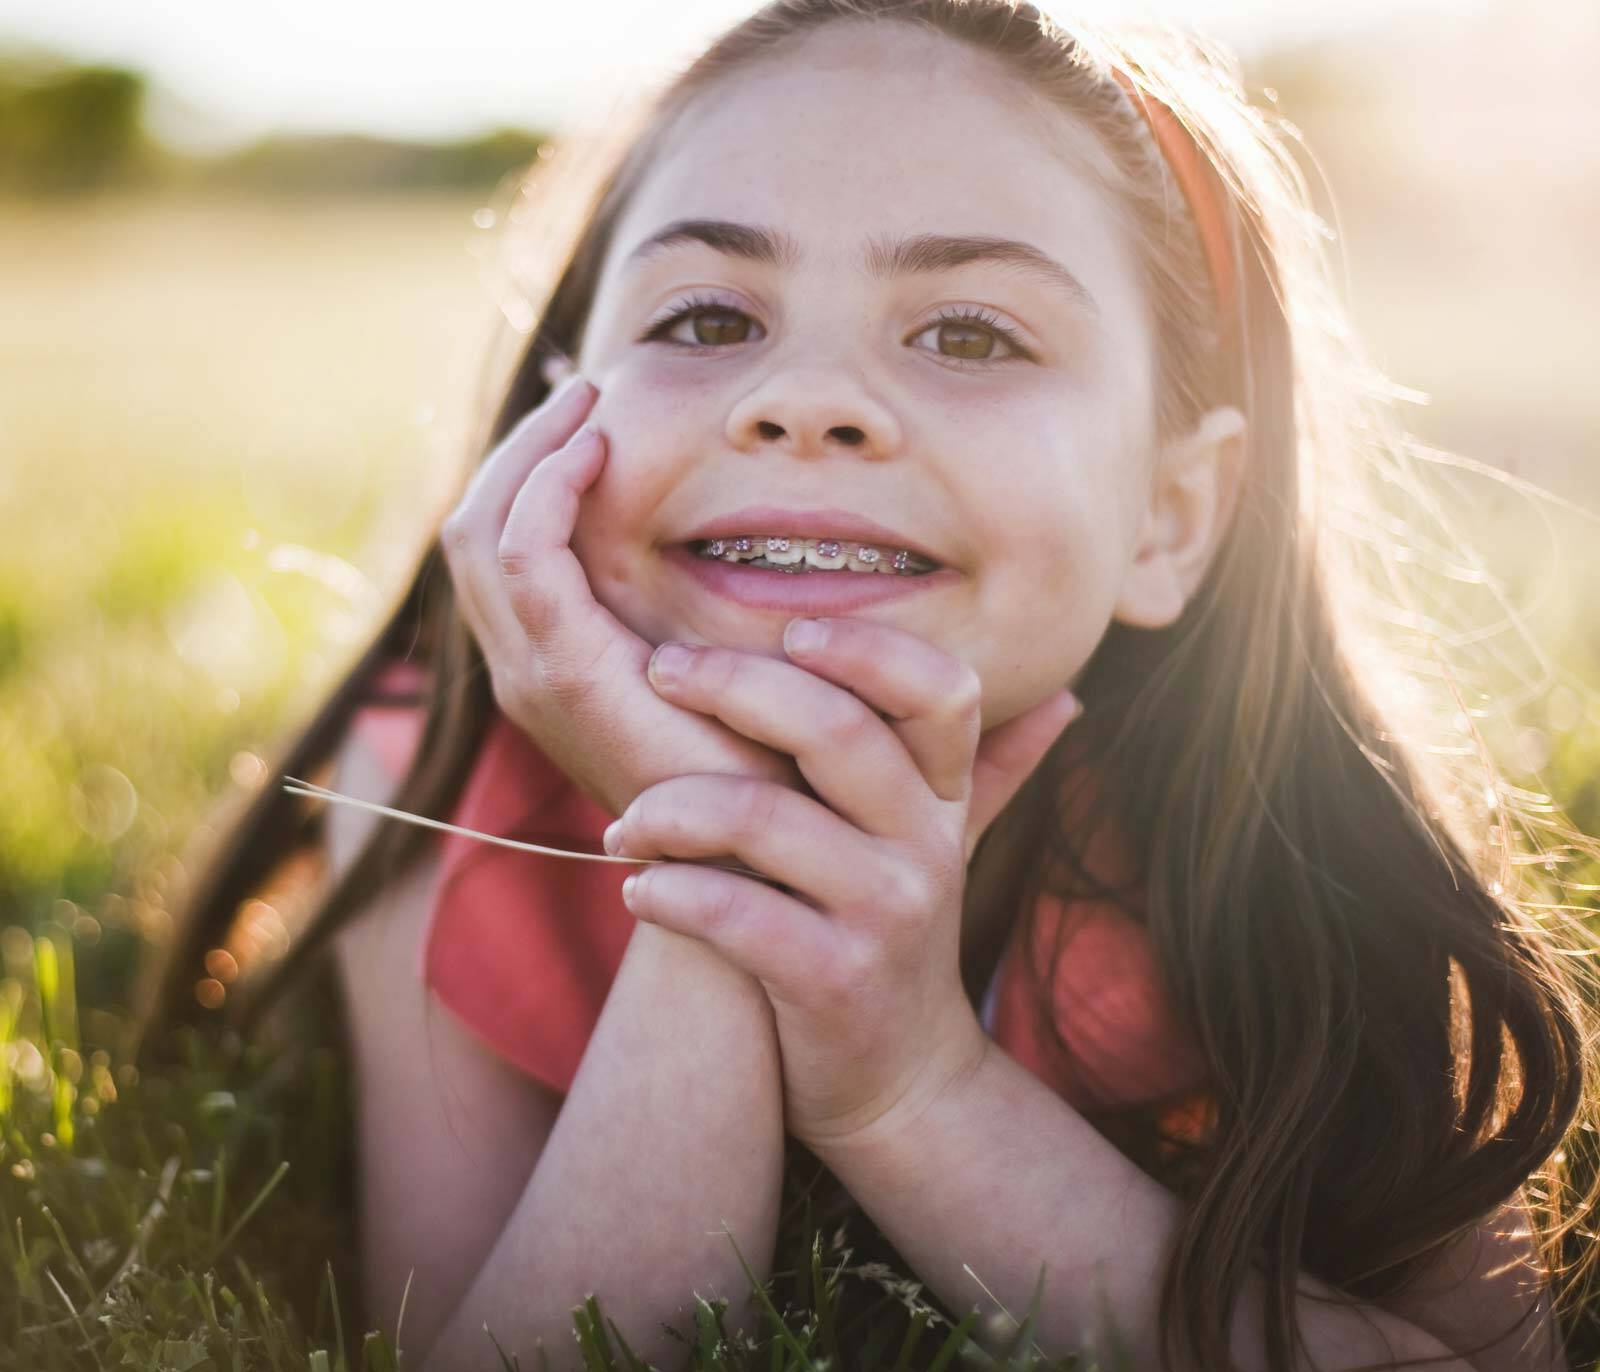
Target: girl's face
{"points": [[1014, 441]]}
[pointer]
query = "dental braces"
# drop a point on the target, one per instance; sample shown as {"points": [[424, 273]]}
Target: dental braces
{"points": [[745, 547]]}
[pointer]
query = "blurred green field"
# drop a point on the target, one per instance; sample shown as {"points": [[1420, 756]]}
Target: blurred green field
{"points": [[229, 425], [226, 430]]}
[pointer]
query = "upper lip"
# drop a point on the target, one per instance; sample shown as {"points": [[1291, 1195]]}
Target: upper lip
{"points": [[760, 520]]}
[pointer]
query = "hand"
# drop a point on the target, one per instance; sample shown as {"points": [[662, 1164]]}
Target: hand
{"points": [[860, 955], [564, 669]]}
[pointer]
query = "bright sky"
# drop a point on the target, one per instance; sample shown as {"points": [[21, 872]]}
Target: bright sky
{"points": [[227, 69]]}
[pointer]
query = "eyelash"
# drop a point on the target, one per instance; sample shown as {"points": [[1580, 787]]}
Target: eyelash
{"points": [[694, 306]]}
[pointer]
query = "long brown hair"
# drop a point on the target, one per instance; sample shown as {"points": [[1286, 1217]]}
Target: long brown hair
{"points": [[1394, 1047]]}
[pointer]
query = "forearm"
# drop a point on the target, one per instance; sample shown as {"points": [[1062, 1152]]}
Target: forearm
{"points": [[674, 1125], [1001, 1175]]}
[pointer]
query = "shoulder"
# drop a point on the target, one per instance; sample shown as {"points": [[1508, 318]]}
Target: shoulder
{"points": [[368, 764], [1487, 1288], [377, 747]]}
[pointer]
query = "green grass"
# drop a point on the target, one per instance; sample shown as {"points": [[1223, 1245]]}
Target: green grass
{"points": [[175, 1222]]}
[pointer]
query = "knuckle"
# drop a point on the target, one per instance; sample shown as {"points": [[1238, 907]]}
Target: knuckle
{"points": [[531, 601], [847, 724], [901, 891], [514, 561], [722, 908], [455, 535], [851, 974], [754, 808], [714, 670], [511, 689], [658, 812]]}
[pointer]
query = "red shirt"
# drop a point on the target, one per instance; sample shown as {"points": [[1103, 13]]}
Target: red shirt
{"points": [[523, 948]]}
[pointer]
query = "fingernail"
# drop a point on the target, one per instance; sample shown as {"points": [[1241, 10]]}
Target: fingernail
{"points": [[668, 663], [804, 635], [612, 838], [586, 436], [627, 889]]}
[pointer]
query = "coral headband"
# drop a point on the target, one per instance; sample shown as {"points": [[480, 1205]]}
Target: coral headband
{"points": [[1199, 188]]}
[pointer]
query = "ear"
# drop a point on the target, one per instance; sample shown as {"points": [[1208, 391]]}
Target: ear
{"points": [[1192, 496]]}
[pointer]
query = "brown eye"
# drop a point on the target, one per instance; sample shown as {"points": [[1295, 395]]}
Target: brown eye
{"points": [[966, 341], [713, 325], [719, 326], [970, 336]]}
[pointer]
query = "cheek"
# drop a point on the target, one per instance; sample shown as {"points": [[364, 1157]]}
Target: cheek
{"points": [[645, 416], [1056, 524], [1057, 552]]}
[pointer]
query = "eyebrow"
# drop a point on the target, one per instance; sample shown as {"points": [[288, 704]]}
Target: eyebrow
{"points": [[884, 259]]}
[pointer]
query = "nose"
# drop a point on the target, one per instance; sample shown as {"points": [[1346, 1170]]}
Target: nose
{"points": [[813, 411]]}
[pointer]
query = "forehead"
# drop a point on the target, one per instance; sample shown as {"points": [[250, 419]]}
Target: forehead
{"points": [[867, 130]]}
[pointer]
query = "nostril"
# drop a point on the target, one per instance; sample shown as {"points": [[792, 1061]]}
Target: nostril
{"points": [[849, 433], [769, 429]]}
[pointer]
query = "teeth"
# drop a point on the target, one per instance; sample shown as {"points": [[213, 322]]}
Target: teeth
{"points": [[785, 552], [823, 554], [827, 553]]}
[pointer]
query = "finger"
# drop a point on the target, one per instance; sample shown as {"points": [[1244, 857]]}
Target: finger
{"points": [[851, 757], [776, 832], [533, 438], [471, 532], [1009, 752], [932, 699], [772, 936], [542, 585]]}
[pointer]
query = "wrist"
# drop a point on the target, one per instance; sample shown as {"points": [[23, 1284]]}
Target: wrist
{"points": [[691, 968], [931, 1091]]}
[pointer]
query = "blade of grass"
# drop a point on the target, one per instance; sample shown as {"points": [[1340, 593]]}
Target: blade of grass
{"points": [[219, 1188], [957, 1342], [236, 1313], [705, 1322], [872, 1350], [250, 1210], [592, 1340], [635, 1362], [1024, 1332], [147, 1223], [1038, 1295], [758, 1289], [919, 1322], [338, 1319], [203, 1300], [400, 1319], [87, 1342], [266, 1311], [510, 1364], [67, 1251], [376, 1355]]}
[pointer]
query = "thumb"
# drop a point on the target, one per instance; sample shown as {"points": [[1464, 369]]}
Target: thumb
{"points": [[1008, 753]]}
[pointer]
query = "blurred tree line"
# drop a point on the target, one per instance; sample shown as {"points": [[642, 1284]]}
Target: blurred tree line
{"points": [[70, 129]]}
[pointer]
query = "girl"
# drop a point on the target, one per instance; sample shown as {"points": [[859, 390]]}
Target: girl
{"points": [[940, 527]]}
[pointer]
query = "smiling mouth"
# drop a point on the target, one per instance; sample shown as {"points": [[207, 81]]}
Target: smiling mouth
{"points": [[784, 553]]}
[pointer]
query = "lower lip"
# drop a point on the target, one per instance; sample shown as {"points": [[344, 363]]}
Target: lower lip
{"points": [[803, 593]]}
